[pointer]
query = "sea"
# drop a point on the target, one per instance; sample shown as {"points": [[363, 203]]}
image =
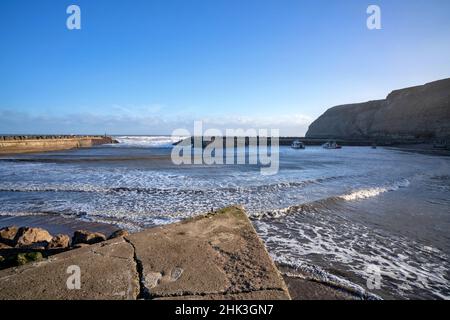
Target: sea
{"points": [[376, 221]]}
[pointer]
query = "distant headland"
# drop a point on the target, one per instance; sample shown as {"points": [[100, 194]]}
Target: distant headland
{"points": [[418, 114]]}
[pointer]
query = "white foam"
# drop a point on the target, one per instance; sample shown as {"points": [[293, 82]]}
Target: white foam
{"points": [[373, 192], [148, 141], [407, 267], [318, 274]]}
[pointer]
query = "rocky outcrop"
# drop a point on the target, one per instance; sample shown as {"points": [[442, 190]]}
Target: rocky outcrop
{"points": [[416, 113]]}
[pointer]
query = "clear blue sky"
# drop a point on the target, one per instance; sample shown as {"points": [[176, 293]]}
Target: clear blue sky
{"points": [[150, 66]]}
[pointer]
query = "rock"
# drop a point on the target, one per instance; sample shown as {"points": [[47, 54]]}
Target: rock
{"points": [[4, 246], [59, 241], [32, 237], [82, 236], [421, 112], [8, 234], [118, 234], [80, 245]]}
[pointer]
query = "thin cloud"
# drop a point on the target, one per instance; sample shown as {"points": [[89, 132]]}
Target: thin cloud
{"points": [[142, 121]]}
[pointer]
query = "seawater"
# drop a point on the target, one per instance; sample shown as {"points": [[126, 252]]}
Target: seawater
{"points": [[332, 213]]}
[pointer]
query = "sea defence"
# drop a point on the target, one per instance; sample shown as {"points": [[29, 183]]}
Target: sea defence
{"points": [[285, 141], [214, 256], [30, 144]]}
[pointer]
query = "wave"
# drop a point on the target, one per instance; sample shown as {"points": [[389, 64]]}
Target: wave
{"points": [[315, 273], [326, 203], [8, 187], [373, 192], [148, 141]]}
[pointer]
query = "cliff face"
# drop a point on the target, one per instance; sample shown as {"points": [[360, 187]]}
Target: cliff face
{"points": [[411, 113]]}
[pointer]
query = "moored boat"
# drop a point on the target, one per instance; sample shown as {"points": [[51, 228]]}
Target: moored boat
{"points": [[331, 145], [297, 144]]}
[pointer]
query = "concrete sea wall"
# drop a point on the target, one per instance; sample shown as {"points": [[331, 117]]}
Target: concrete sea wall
{"points": [[216, 256], [29, 144]]}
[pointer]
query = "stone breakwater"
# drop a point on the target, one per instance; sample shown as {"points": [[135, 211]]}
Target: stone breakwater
{"points": [[29, 144], [287, 141], [215, 256]]}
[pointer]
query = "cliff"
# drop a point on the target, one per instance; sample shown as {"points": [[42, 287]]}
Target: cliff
{"points": [[27, 144], [416, 113]]}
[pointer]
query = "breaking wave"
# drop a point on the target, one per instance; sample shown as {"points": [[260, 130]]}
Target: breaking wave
{"points": [[312, 272], [373, 192], [87, 187], [327, 203], [148, 141]]}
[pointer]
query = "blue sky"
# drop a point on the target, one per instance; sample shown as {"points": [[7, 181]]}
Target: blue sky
{"points": [[151, 66]]}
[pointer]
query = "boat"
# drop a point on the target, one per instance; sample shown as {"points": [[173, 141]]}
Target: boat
{"points": [[331, 145], [297, 144]]}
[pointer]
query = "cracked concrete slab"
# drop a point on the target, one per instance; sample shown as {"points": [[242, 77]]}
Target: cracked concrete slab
{"points": [[208, 257], [107, 271]]}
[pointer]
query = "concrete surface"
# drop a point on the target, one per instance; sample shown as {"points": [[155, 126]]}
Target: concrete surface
{"points": [[217, 256], [42, 145]]}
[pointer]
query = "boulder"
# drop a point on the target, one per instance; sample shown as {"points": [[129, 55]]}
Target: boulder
{"points": [[8, 234], [82, 236], [26, 237], [4, 246], [118, 234], [60, 241]]}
